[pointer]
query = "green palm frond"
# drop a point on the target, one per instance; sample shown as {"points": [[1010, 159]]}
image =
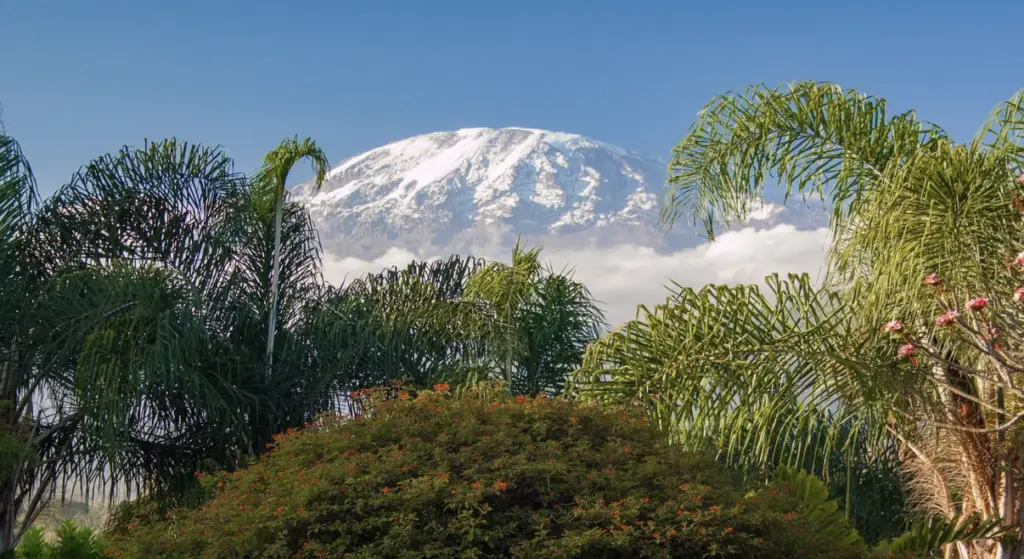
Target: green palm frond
{"points": [[147, 322], [936, 532], [269, 192], [557, 325], [1004, 129], [272, 176], [18, 196], [948, 210], [541, 320], [811, 138], [817, 507], [169, 204], [750, 373], [409, 324]]}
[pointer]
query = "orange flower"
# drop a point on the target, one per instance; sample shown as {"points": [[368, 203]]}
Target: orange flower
{"points": [[443, 475], [728, 529], [403, 395], [441, 387], [501, 485], [520, 399], [477, 485], [386, 490]]}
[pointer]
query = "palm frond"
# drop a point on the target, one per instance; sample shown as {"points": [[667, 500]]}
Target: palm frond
{"points": [[272, 176], [812, 138], [947, 210], [1004, 129], [749, 373], [934, 533], [817, 507], [18, 196]]}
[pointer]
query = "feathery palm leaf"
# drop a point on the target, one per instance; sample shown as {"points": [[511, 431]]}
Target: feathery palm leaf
{"points": [[812, 138], [270, 184], [906, 201], [541, 321], [755, 375]]}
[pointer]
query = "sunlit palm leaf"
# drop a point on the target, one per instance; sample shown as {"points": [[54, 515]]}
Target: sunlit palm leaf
{"points": [[811, 138], [749, 373]]}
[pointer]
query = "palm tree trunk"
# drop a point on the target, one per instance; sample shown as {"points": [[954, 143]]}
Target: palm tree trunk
{"points": [[8, 487], [7, 522], [274, 278]]}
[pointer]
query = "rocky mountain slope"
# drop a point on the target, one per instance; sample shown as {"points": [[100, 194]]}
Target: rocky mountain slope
{"points": [[458, 191]]}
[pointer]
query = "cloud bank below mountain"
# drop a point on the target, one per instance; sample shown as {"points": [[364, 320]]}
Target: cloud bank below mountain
{"points": [[623, 276]]}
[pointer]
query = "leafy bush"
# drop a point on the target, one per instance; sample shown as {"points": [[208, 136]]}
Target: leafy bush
{"points": [[73, 542], [484, 474]]}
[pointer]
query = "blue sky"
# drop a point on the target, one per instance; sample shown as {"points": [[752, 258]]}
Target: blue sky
{"points": [[83, 78]]}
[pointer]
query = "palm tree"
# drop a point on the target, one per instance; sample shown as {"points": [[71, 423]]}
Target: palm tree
{"points": [[142, 310], [450, 321], [409, 324], [145, 327], [541, 320], [272, 179], [17, 201], [906, 201]]}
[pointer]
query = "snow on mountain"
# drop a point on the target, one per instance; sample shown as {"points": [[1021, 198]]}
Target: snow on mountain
{"points": [[446, 191], [593, 207]]}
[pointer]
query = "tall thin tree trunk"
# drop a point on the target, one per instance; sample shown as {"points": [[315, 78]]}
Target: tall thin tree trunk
{"points": [[274, 278], [8, 487], [7, 517]]}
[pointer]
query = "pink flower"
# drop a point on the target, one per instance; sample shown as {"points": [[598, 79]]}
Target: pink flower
{"points": [[1020, 179], [977, 304], [894, 326], [947, 319], [907, 351], [933, 279], [1018, 294], [1019, 261]]}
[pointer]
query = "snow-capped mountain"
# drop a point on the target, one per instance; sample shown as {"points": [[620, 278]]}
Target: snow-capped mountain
{"points": [[447, 192]]}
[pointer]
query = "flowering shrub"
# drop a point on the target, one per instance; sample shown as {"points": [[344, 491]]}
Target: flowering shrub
{"points": [[484, 474]]}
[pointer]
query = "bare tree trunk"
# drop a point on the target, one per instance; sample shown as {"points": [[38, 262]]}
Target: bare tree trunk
{"points": [[8, 513]]}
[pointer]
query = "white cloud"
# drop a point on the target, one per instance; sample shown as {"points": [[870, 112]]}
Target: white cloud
{"points": [[624, 276], [764, 212]]}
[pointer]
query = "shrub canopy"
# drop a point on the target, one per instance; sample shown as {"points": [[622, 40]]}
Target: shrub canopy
{"points": [[485, 474]]}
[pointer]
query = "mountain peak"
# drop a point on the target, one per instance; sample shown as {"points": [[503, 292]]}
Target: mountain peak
{"points": [[443, 186], [457, 146]]}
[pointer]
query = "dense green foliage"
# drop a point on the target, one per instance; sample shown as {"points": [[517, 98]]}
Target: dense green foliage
{"points": [[486, 474], [806, 370], [72, 542], [137, 301], [164, 315]]}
